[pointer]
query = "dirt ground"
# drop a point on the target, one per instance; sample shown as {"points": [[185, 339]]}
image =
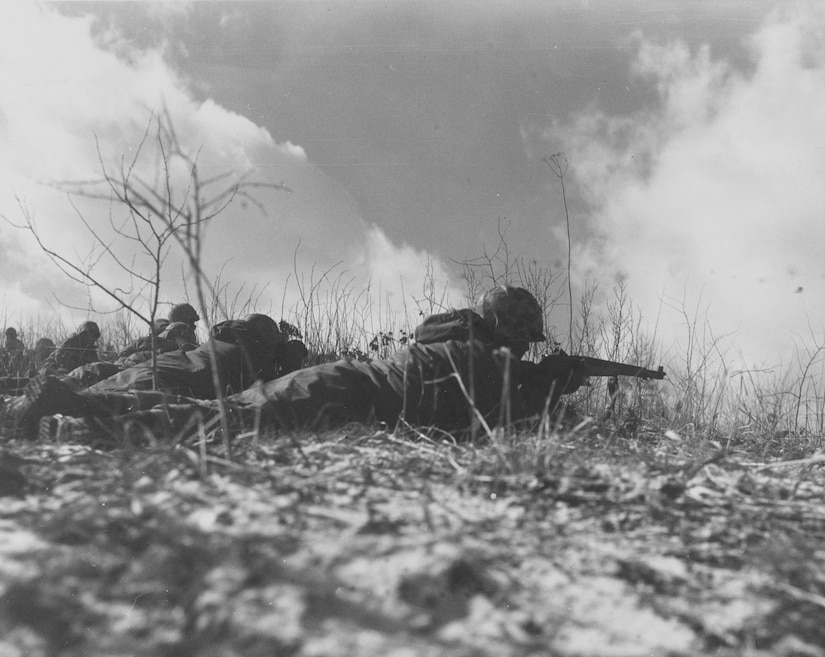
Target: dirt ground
{"points": [[365, 543]]}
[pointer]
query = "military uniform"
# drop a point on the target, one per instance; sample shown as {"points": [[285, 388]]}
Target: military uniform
{"points": [[145, 343], [43, 348], [244, 351], [13, 355], [77, 350], [443, 379], [140, 351], [13, 344], [464, 364]]}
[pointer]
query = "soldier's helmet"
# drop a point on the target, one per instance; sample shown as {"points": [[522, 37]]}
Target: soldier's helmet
{"points": [[183, 312], [11, 332], [89, 328], [265, 329], [513, 313], [42, 348], [44, 344]]}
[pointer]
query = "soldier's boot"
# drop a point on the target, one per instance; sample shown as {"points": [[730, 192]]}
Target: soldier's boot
{"points": [[148, 428], [43, 395], [86, 430], [170, 421], [181, 421]]}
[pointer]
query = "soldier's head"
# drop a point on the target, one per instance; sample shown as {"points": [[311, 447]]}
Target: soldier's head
{"points": [[44, 344], [90, 331], [265, 329], [514, 315], [42, 348], [185, 313], [11, 333]]}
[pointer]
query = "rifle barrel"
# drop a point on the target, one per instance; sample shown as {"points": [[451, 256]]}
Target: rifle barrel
{"points": [[599, 367]]}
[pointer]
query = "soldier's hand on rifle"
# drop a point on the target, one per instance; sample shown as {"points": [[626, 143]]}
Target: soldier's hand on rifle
{"points": [[564, 374]]}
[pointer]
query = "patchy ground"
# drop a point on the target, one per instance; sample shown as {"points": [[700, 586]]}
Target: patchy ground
{"points": [[368, 544]]}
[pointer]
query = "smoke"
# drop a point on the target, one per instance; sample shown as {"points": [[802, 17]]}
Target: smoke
{"points": [[73, 95], [410, 277], [713, 198]]}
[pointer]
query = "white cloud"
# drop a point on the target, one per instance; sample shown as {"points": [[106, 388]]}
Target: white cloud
{"points": [[409, 277], [717, 192], [60, 89]]}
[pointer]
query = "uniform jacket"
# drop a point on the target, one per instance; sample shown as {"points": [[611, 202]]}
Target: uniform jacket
{"points": [[73, 352], [14, 345], [144, 345]]}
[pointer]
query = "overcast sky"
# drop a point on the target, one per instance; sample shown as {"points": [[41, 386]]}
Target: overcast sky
{"points": [[411, 132]]}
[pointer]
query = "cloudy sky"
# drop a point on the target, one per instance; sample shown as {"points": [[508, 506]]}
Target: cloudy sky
{"points": [[412, 133]]}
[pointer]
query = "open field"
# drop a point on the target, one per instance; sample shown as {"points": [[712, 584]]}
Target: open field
{"points": [[586, 541], [690, 524], [351, 175]]}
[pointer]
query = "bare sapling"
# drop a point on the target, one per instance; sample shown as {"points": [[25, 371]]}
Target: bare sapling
{"points": [[133, 240], [701, 379], [558, 165], [808, 393], [330, 311], [498, 266], [230, 300], [185, 208], [146, 215]]}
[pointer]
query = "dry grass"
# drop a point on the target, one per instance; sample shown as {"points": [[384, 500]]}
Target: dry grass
{"points": [[366, 542], [689, 522]]}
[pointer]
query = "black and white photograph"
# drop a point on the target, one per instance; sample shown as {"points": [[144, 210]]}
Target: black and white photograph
{"points": [[412, 328]]}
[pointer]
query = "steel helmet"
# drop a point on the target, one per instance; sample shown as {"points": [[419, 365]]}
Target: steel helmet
{"points": [[513, 313], [183, 312], [89, 328], [11, 332], [266, 329], [44, 343]]}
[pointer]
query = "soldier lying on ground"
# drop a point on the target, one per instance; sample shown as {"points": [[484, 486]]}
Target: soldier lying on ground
{"points": [[238, 353], [244, 351], [464, 364], [183, 316], [44, 360], [13, 382], [43, 348], [78, 349], [186, 314], [173, 337], [179, 373]]}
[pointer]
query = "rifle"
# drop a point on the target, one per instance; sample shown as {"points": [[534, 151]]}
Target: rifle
{"points": [[587, 366], [559, 374]]}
